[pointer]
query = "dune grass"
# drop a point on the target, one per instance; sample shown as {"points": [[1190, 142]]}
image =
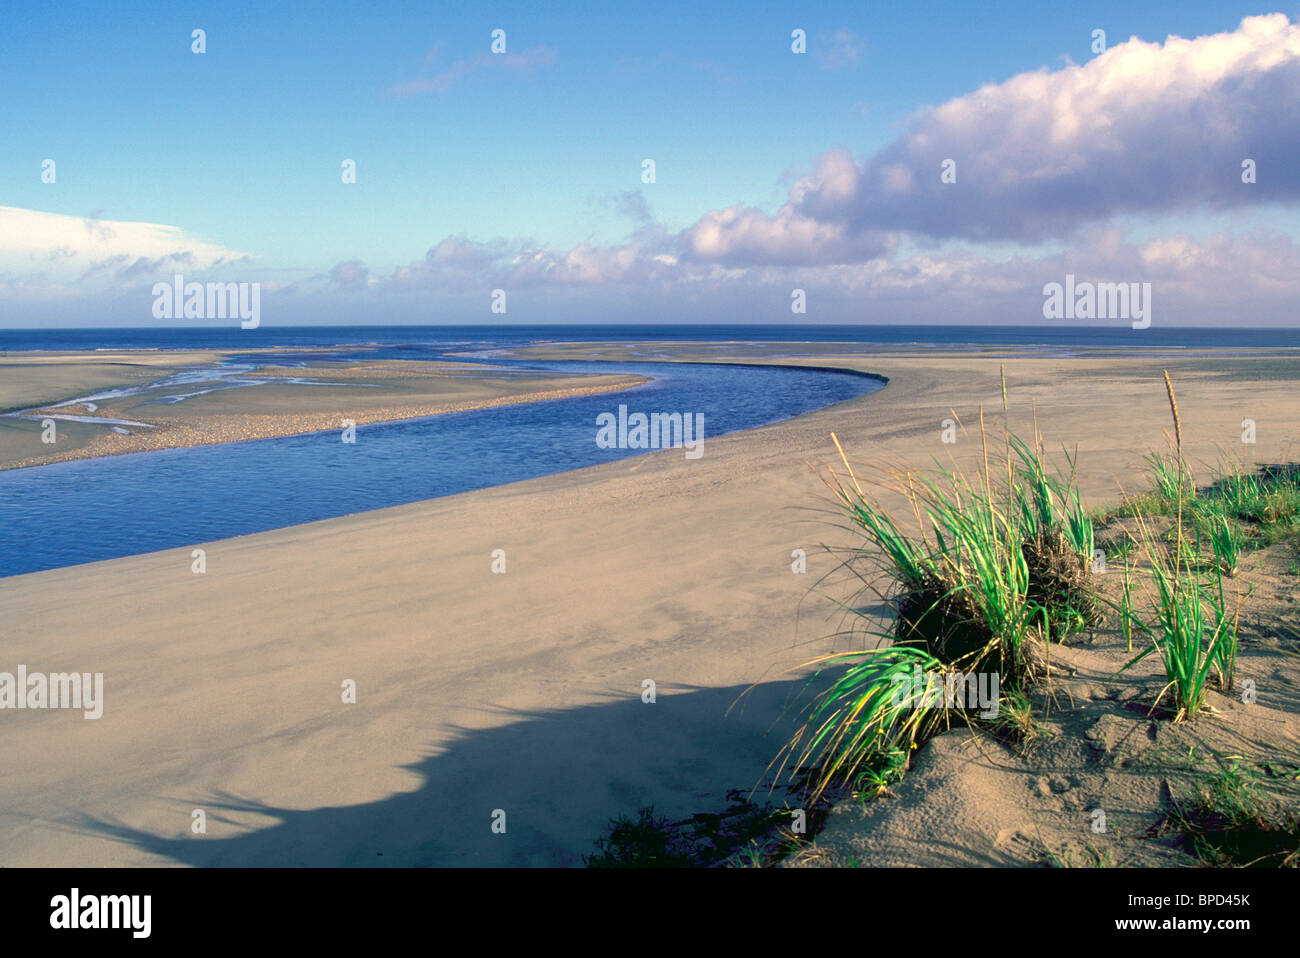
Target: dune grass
{"points": [[1241, 508], [1190, 626], [986, 570]]}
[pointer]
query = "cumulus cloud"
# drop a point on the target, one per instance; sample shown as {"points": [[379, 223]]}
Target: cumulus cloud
{"points": [[1141, 128], [350, 274], [52, 249], [1225, 280], [1220, 279], [1253, 277], [748, 237]]}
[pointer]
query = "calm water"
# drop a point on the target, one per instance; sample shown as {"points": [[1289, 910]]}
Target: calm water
{"points": [[92, 509]]}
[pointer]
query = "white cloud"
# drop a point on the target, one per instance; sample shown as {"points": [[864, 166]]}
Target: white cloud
{"points": [[1142, 128], [52, 250]]}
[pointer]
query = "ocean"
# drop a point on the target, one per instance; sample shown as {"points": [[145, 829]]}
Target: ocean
{"points": [[481, 336]]}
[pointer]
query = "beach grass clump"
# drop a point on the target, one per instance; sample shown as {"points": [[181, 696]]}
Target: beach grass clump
{"points": [[1235, 489], [1191, 629], [1273, 515], [1060, 585], [992, 564], [1191, 626], [1016, 724], [998, 565], [1049, 505], [874, 711], [1171, 483], [995, 560], [1226, 637], [1057, 539], [1247, 509], [1269, 496], [1240, 509], [1149, 503]]}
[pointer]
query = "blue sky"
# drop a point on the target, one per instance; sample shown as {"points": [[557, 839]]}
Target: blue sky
{"points": [[240, 148]]}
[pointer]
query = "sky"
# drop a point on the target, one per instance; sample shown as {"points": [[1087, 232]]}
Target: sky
{"points": [[126, 157]]}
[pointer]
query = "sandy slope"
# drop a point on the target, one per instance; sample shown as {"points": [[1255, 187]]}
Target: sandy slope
{"points": [[519, 691]]}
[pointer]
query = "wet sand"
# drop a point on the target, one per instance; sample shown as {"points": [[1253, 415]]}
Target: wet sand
{"points": [[36, 378]]}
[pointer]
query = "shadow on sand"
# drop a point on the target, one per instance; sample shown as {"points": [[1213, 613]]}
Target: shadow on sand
{"points": [[558, 775]]}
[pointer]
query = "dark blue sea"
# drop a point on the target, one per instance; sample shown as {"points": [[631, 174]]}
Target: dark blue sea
{"points": [[474, 336]]}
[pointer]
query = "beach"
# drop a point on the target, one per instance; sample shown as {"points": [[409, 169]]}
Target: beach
{"points": [[523, 691]]}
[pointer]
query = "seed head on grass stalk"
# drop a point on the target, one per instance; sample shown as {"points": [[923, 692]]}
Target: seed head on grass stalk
{"points": [[1178, 422]]}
